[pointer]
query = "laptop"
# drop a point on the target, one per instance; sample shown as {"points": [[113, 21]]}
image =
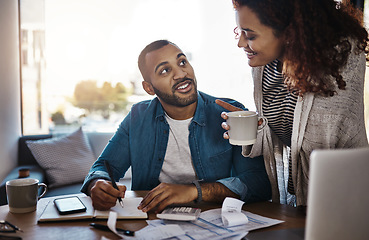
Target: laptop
{"points": [[338, 200]]}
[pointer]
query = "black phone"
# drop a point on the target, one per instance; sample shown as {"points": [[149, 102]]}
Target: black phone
{"points": [[69, 205]]}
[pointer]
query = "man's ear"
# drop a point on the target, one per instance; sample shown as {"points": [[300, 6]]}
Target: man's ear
{"points": [[148, 87]]}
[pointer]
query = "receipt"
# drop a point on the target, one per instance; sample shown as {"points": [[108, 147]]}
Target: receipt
{"points": [[231, 212], [148, 232]]}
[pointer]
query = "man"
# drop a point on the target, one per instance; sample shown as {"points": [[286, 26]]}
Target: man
{"points": [[174, 143]]}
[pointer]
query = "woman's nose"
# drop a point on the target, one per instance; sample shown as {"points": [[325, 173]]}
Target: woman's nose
{"points": [[242, 42]]}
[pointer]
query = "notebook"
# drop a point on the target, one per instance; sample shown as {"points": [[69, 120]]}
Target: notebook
{"points": [[338, 199], [129, 211]]}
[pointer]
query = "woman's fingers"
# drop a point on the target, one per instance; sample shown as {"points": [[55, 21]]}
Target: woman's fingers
{"points": [[227, 106], [225, 126]]}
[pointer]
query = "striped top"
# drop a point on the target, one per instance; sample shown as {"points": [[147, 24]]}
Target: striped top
{"points": [[278, 107], [278, 103]]}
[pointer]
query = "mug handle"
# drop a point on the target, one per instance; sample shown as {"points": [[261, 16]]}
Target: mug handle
{"points": [[45, 189], [263, 124]]}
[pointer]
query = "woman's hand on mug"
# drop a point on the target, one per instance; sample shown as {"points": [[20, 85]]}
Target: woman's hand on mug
{"points": [[230, 108], [262, 121]]}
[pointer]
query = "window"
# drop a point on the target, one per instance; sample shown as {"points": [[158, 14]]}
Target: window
{"points": [[91, 47]]}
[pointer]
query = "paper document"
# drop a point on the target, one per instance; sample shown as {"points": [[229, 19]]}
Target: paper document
{"points": [[209, 225], [255, 221], [231, 212], [160, 232]]}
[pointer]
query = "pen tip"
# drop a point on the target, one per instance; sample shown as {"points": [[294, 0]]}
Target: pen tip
{"points": [[121, 204]]}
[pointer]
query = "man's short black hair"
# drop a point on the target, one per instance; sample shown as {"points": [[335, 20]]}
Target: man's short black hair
{"points": [[150, 48]]}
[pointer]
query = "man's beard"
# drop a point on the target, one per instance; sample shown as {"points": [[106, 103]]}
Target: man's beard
{"points": [[174, 100]]}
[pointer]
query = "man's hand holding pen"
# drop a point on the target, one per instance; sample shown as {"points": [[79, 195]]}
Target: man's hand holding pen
{"points": [[111, 176], [104, 195]]}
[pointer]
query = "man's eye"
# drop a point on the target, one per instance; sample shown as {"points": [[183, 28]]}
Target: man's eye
{"points": [[164, 71], [183, 62]]}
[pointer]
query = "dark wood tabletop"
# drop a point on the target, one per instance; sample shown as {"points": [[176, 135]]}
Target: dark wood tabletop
{"points": [[292, 217]]}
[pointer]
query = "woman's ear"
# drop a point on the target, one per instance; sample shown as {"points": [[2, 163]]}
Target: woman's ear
{"points": [[148, 87]]}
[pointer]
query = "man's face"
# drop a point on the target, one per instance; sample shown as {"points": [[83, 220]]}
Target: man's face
{"points": [[172, 76]]}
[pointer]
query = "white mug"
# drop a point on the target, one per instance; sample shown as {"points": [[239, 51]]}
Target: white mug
{"points": [[23, 194], [243, 127]]}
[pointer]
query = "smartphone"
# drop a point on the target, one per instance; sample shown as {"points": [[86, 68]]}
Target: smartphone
{"points": [[69, 205]]}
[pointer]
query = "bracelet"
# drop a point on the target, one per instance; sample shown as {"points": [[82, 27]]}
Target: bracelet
{"points": [[199, 192]]}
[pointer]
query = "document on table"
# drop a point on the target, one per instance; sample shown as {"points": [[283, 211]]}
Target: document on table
{"points": [[208, 226], [255, 221], [231, 212]]}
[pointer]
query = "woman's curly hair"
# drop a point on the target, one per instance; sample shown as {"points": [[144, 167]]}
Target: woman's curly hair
{"points": [[317, 35]]}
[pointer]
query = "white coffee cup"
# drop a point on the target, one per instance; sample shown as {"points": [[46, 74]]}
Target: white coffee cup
{"points": [[243, 127], [23, 194]]}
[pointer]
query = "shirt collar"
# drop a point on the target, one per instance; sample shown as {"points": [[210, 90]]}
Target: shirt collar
{"points": [[199, 117]]}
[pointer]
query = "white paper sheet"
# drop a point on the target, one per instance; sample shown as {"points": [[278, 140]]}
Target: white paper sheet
{"points": [[159, 232], [201, 230], [231, 212], [208, 226], [255, 221]]}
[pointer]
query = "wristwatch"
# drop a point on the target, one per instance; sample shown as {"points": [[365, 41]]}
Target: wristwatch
{"points": [[199, 192]]}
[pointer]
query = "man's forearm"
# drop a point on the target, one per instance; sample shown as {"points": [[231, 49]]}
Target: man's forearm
{"points": [[216, 192]]}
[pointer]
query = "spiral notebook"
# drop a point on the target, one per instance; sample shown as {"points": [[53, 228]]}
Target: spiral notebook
{"points": [[130, 211]]}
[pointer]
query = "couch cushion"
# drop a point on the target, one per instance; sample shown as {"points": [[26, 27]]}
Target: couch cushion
{"points": [[25, 156], [66, 159], [98, 141]]}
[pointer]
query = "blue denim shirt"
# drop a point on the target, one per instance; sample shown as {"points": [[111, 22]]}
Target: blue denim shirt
{"points": [[141, 142]]}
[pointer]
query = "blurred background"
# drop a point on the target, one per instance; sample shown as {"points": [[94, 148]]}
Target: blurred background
{"points": [[79, 57]]}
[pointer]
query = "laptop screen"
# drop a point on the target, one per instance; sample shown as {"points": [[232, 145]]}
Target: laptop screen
{"points": [[338, 197]]}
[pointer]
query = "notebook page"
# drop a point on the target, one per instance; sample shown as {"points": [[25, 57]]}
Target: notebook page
{"points": [[129, 211]]}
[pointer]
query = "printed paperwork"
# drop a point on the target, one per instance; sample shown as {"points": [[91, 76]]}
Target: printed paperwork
{"points": [[147, 233], [208, 226], [231, 212]]}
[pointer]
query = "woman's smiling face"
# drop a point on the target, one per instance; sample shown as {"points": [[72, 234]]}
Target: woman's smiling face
{"points": [[258, 40]]}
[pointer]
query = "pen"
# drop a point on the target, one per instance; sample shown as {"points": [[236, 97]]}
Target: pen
{"points": [[107, 166], [106, 228], [12, 225]]}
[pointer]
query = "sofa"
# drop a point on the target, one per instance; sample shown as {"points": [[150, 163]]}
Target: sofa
{"points": [[26, 160]]}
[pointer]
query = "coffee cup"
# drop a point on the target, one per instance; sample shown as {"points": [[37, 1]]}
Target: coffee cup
{"points": [[23, 194], [243, 127]]}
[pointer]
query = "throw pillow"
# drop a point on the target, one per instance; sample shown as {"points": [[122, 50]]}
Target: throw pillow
{"points": [[65, 159]]}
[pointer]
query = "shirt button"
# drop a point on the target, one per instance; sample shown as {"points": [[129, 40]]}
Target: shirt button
{"points": [[159, 159], [165, 131]]}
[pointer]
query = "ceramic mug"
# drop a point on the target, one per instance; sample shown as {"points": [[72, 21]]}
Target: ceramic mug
{"points": [[243, 127], [23, 194]]}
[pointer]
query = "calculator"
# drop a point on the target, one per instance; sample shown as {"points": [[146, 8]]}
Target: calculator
{"points": [[180, 213]]}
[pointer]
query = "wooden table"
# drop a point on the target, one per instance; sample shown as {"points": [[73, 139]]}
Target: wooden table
{"points": [[294, 218]]}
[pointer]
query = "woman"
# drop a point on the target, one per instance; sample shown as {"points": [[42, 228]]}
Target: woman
{"points": [[308, 68]]}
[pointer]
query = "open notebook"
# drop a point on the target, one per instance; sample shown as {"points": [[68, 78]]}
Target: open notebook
{"points": [[129, 211]]}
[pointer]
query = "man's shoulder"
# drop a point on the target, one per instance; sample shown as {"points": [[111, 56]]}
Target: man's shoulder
{"points": [[144, 105]]}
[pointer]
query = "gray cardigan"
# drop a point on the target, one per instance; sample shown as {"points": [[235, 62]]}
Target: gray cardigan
{"points": [[319, 123]]}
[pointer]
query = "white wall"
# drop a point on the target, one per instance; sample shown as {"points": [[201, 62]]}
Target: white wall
{"points": [[10, 127]]}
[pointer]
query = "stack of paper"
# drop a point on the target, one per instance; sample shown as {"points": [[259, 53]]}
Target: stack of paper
{"points": [[208, 226]]}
